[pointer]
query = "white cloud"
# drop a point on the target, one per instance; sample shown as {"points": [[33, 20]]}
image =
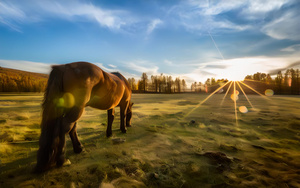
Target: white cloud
{"points": [[219, 7], [9, 11], [17, 12], [199, 16], [143, 66], [112, 66], [202, 17], [168, 62], [257, 9], [285, 27], [152, 25], [292, 48], [238, 68], [113, 69], [106, 18], [26, 66]]}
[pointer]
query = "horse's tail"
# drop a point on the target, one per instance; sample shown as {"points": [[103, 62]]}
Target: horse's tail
{"points": [[54, 91], [51, 119]]}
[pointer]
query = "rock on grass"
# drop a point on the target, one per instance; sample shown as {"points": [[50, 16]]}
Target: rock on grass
{"points": [[118, 140]]}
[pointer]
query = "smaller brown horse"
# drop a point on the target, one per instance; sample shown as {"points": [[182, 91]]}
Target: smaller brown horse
{"points": [[70, 88]]}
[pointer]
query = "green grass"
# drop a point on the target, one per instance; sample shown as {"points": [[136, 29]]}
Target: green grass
{"points": [[174, 142]]}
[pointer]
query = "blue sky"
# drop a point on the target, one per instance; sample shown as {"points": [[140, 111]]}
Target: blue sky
{"points": [[189, 39]]}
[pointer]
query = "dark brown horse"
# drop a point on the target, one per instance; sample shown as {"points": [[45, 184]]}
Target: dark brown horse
{"points": [[70, 88]]}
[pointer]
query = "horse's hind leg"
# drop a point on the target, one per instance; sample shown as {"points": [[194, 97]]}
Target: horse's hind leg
{"points": [[110, 119], [77, 147]]}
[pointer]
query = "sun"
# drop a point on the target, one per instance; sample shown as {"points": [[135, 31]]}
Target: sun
{"points": [[236, 69]]}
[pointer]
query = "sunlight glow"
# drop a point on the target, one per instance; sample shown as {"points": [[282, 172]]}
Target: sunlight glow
{"points": [[245, 95], [206, 99], [226, 92], [234, 97], [254, 90]]}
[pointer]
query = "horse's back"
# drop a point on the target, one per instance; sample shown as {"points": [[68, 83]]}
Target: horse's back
{"points": [[91, 86], [113, 91], [79, 80]]}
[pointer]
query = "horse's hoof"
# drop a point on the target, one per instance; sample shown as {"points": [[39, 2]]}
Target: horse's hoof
{"points": [[123, 131], [60, 161], [128, 125], [38, 169], [67, 162], [108, 135], [79, 149]]}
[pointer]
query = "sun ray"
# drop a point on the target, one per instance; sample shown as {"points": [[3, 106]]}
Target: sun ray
{"points": [[235, 98], [226, 93], [213, 93], [205, 99], [254, 90], [245, 94]]}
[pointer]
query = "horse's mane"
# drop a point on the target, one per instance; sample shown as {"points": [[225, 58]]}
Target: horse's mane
{"points": [[122, 78]]}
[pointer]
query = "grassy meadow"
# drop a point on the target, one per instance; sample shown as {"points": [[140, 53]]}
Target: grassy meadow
{"points": [[174, 142]]}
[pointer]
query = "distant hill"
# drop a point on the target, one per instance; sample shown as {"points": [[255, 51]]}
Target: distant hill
{"points": [[12, 80]]}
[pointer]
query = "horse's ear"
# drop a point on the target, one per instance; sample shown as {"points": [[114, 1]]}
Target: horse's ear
{"points": [[131, 104]]}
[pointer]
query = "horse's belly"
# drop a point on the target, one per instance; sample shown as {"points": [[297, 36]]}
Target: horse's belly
{"points": [[104, 104]]}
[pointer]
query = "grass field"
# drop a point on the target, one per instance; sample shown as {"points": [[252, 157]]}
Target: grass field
{"points": [[174, 142]]}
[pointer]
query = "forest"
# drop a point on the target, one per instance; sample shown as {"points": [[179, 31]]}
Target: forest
{"points": [[12, 80], [287, 82]]}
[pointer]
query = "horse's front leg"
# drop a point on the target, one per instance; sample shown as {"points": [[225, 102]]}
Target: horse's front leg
{"points": [[123, 110], [67, 125], [60, 155], [110, 119], [77, 147]]}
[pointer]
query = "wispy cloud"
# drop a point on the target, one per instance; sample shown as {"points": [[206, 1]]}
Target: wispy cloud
{"points": [[103, 67], [285, 27], [112, 66], [293, 48], [77, 9], [168, 62], [143, 66], [29, 66], [152, 25], [14, 13], [258, 9], [203, 16], [11, 15]]}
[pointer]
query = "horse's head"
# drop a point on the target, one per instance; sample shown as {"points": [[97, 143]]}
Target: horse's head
{"points": [[129, 114], [48, 145]]}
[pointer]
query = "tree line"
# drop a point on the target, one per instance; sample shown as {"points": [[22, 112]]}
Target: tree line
{"points": [[20, 81], [287, 82], [157, 84], [284, 83]]}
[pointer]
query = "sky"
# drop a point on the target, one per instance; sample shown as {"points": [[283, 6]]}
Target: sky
{"points": [[190, 39]]}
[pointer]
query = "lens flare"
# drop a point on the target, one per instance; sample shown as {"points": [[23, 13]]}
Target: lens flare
{"points": [[66, 101], [243, 109], [234, 97], [269, 92]]}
